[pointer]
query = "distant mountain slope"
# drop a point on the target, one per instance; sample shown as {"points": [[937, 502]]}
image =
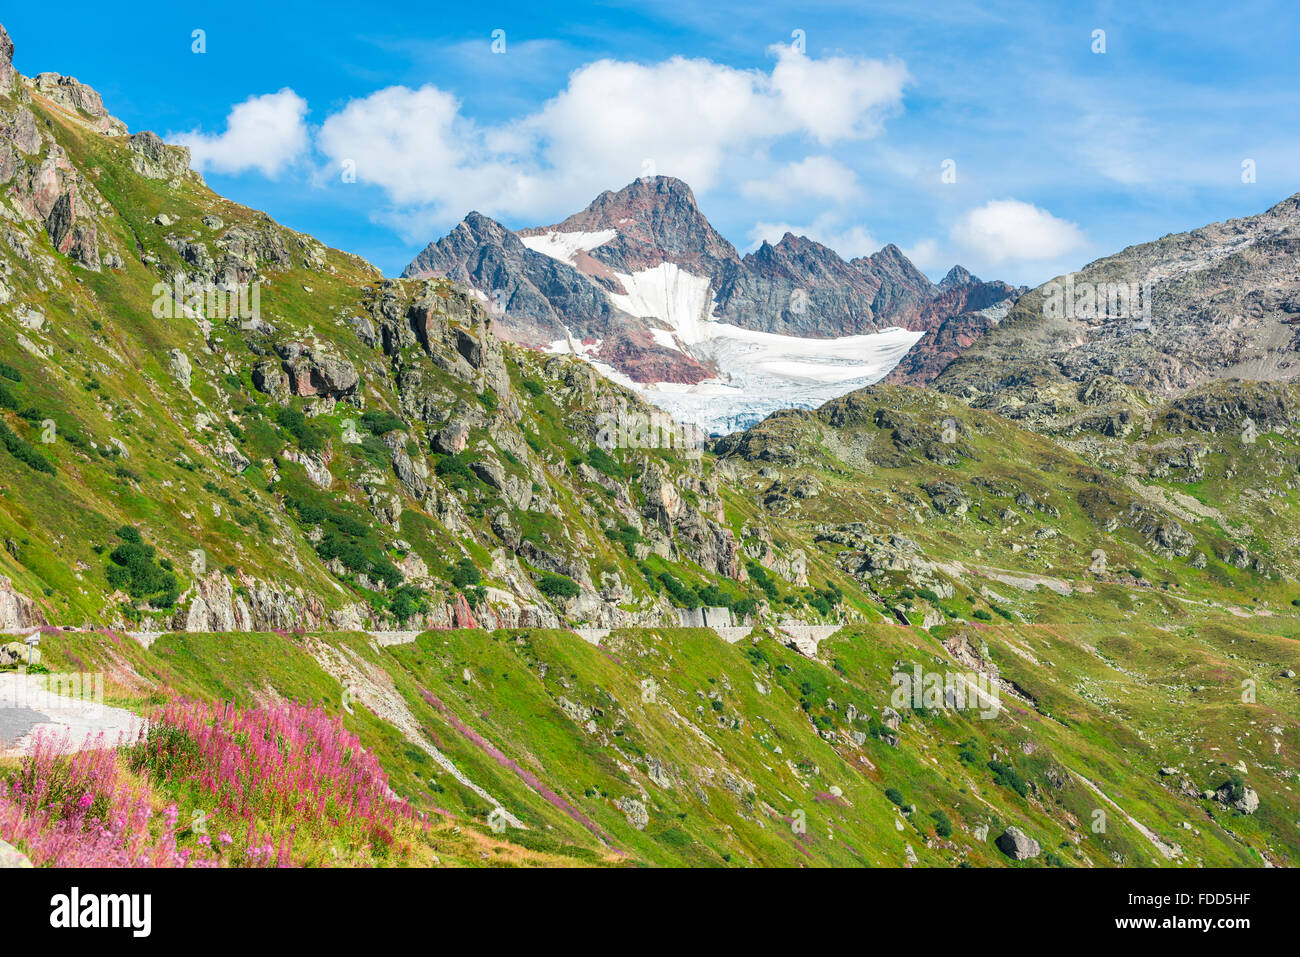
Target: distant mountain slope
{"points": [[642, 284], [1220, 302], [962, 311]]}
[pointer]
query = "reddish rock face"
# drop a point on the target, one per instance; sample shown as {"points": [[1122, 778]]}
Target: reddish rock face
{"points": [[964, 310], [635, 353], [462, 616], [657, 221]]}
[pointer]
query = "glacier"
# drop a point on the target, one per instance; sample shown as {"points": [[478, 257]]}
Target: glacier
{"points": [[758, 372]]}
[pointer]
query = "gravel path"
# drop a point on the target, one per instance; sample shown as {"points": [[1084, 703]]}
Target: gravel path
{"points": [[16, 722], [26, 706]]}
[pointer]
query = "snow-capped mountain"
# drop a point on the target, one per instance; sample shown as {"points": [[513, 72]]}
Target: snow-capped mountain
{"points": [[641, 285]]}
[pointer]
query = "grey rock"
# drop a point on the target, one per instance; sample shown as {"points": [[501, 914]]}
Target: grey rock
{"points": [[317, 370], [6, 61], [490, 472], [451, 439], [1016, 845], [636, 812], [179, 365], [154, 159]]}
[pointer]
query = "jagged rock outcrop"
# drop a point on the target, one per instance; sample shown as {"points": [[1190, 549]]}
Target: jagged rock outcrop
{"points": [[541, 296], [962, 314], [154, 159], [76, 96], [1216, 303], [16, 609], [6, 61], [314, 369], [214, 604]]}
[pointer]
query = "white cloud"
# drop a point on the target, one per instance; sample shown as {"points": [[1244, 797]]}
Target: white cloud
{"points": [[850, 242], [1005, 230], [613, 121], [818, 177], [837, 98], [924, 254], [266, 133], [409, 142]]}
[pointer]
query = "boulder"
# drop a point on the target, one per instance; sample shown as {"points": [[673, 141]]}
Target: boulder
{"points": [[268, 377], [490, 472], [636, 812], [16, 609], [1242, 798], [451, 439], [1015, 844], [315, 369], [179, 365], [17, 652]]}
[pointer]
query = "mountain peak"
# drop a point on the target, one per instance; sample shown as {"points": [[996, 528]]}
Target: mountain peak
{"points": [[957, 276], [890, 265], [656, 220]]}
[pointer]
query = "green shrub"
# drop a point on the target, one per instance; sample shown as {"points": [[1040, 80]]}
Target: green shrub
{"points": [[1008, 777], [895, 795], [557, 586], [23, 451], [406, 601], [602, 461], [133, 567], [714, 597], [308, 437], [346, 536], [381, 422], [764, 581], [942, 825], [455, 471], [627, 536], [465, 573], [1237, 787], [681, 596]]}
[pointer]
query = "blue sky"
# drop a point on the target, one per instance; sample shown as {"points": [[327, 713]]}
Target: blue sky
{"points": [[828, 119]]}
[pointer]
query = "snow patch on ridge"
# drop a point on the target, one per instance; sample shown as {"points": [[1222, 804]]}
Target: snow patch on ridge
{"points": [[672, 295], [566, 246]]}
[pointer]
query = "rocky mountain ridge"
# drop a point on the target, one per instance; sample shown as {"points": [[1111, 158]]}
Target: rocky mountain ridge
{"points": [[1217, 303], [582, 278]]}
